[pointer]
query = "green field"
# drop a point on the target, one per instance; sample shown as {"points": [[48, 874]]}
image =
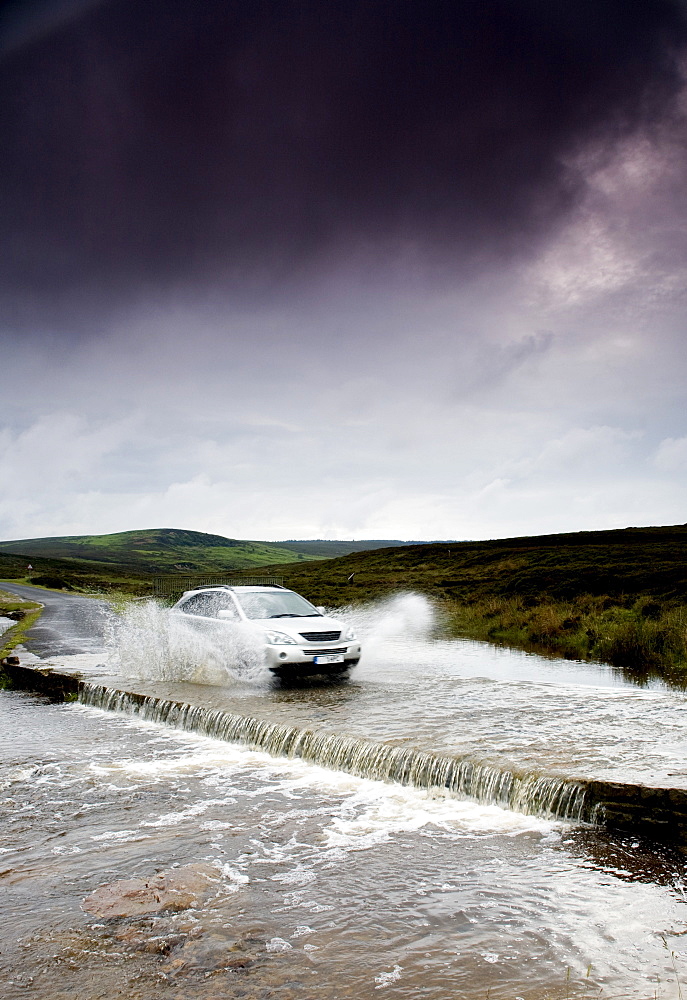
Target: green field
{"points": [[85, 575], [155, 550]]}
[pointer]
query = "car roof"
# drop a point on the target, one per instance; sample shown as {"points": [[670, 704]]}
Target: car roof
{"points": [[259, 588]]}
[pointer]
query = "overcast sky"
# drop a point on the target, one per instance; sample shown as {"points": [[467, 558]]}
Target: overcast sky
{"points": [[355, 269]]}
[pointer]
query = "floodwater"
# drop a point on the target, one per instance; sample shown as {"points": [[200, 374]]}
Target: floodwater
{"points": [[328, 885], [414, 687], [6, 623]]}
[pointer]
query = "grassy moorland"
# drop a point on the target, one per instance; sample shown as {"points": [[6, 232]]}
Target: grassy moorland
{"points": [[616, 596], [156, 550]]}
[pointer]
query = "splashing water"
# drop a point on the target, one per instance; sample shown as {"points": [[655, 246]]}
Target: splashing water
{"points": [[389, 625], [526, 792], [151, 643]]}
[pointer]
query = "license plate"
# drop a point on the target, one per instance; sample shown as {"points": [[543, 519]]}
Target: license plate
{"points": [[329, 658]]}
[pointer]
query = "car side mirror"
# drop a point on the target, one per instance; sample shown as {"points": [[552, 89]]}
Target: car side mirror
{"points": [[231, 615], [318, 607]]}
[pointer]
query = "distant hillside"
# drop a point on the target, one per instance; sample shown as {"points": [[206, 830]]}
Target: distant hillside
{"points": [[77, 574], [168, 550], [156, 550], [621, 564], [629, 561], [324, 549]]}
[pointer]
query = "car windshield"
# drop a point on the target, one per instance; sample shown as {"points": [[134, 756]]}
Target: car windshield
{"points": [[276, 604]]}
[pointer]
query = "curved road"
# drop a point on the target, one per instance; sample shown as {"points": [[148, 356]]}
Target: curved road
{"points": [[69, 624]]}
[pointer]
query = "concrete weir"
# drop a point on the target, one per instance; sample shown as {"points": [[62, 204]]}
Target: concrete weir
{"points": [[658, 813]]}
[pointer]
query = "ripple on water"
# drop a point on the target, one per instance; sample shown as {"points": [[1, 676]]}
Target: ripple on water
{"points": [[371, 886]]}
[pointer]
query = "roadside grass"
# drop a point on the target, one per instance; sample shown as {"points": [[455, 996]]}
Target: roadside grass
{"points": [[642, 636]]}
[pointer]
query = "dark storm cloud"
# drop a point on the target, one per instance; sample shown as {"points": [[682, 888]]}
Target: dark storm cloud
{"points": [[173, 142]]}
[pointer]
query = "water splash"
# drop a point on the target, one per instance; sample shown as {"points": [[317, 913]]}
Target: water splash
{"points": [[5, 624], [392, 624], [148, 641]]}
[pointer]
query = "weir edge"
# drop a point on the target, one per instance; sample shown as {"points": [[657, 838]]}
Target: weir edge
{"points": [[659, 813]]}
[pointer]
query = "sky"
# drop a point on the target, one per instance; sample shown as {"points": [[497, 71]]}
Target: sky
{"points": [[358, 269]]}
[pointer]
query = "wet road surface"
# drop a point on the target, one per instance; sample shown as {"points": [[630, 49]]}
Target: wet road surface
{"points": [[69, 625]]}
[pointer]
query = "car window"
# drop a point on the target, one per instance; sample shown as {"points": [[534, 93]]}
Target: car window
{"points": [[207, 605], [284, 603]]}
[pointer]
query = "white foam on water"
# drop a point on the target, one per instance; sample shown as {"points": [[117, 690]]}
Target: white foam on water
{"points": [[119, 836], [375, 812], [387, 978], [150, 642], [370, 811], [301, 930], [233, 878], [278, 944], [5, 624], [181, 815], [297, 876]]}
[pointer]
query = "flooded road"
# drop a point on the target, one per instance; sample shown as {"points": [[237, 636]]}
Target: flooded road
{"points": [[415, 688], [327, 885]]}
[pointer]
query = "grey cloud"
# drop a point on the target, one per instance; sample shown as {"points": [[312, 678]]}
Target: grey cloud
{"points": [[171, 144], [425, 259]]}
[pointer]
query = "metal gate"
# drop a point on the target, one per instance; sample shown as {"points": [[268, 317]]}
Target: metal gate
{"points": [[174, 586]]}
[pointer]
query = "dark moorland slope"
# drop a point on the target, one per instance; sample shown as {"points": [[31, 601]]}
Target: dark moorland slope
{"points": [[619, 563]]}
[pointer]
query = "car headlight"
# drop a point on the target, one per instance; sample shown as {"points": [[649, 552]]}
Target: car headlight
{"points": [[279, 639], [350, 634]]}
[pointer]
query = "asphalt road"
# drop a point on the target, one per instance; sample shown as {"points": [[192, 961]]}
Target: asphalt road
{"points": [[68, 625]]}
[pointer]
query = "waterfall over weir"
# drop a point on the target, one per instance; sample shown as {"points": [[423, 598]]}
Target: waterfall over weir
{"points": [[530, 793]]}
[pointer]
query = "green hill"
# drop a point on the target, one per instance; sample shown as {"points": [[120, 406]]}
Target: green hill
{"points": [[157, 551], [620, 563], [325, 549], [75, 574]]}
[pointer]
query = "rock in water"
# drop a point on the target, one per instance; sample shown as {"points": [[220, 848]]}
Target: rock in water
{"points": [[176, 890]]}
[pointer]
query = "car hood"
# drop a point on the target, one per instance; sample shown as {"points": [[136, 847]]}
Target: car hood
{"points": [[296, 626]]}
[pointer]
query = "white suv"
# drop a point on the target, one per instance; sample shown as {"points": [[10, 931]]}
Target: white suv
{"points": [[299, 638]]}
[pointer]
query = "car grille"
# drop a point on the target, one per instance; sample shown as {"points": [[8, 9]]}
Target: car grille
{"points": [[320, 636], [322, 652]]}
